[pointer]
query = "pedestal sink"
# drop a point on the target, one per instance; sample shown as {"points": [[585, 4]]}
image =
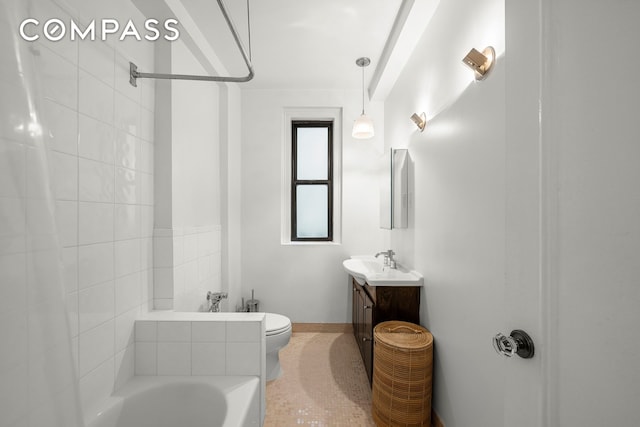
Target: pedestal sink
{"points": [[371, 270]]}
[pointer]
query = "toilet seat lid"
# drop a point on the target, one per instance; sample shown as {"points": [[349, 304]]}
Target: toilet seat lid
{"points": [[276, 323]]}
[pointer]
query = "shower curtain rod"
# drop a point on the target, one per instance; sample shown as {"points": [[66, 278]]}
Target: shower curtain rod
{"points": [[134, 74]]}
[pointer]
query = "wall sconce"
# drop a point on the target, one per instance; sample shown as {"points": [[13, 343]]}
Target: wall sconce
{"points": [[420, 121], [481, 63]]}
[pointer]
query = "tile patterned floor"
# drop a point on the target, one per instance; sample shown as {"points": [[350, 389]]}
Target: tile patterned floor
{"points": [[324, 384]]}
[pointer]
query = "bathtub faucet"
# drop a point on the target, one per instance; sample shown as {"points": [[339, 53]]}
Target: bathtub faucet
{"points": [[214, 299]]}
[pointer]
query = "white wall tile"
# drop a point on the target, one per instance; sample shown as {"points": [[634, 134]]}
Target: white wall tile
{"points": [[14, 394], [96, 181], [97, 58], [96, 98], [163, 303], [190, 247], [128, 150], [146, 330], [244, 331], [208, 331], [147, 94], [208, 358], [95, 264], [96, 305], [12, 226], [127, 258], [163, 283], [146, 227], [146, 285], [67, 220], [72, 312], [96, 140], [178, 250], [128, 293], [174, 358], [96, 346], [146, 188], [146, 124], [12, 169], [95, 222], [13, 328], [62, 123], [243, 358], [145, 162], [174, 331], [65, 176], [59, 78], [70, 269], [126, 186], [13, 292], [146, 358], [127, 114], [162, 251], [127, 221]]}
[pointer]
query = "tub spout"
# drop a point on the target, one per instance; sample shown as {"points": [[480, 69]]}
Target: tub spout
{"points": [[214, 299]]}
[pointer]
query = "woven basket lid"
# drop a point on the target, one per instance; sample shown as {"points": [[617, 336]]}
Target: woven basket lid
{"points": [[400, 334]]}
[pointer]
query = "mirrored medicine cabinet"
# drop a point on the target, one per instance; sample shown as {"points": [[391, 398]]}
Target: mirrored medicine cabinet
{"points": [[394, 189]]}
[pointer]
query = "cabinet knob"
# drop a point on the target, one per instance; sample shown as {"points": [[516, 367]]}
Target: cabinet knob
{"points": [[365, 339], [366, 307]]}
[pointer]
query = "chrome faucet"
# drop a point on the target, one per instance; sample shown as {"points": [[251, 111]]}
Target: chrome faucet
{"points": [[214, 299], [388, 258]]}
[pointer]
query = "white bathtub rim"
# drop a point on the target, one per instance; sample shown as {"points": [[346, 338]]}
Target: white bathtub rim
{"points": [[231, 387]]}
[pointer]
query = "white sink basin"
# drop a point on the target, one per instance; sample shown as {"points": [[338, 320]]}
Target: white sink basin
{"points": [[371, 270]]}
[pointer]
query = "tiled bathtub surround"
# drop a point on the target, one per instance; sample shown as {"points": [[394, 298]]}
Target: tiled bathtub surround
{"points": [[187, 264], [181, 343]]}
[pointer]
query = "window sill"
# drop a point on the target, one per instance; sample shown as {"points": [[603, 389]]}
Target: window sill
{"points": [[297, 243]]}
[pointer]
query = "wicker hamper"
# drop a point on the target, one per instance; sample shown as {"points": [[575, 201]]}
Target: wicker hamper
{"points": [[402, 373]]}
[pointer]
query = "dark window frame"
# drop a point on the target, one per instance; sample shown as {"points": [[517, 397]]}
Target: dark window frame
{"points": [[295, 182]]}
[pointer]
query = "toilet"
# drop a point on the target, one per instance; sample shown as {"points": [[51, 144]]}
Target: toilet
{"points": [[278, 331]]}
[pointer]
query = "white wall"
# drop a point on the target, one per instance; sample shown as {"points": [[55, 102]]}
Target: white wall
{"points": [[456, 234], [100, 133], [188, 186], [552, 208], [305, 282]]}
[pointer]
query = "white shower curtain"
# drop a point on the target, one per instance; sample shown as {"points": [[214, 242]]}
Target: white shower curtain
{"points": [[38, 384]]}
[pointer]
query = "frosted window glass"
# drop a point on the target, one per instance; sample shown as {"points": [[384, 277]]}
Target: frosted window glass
{"points": [[312, 211], [312, 153]]}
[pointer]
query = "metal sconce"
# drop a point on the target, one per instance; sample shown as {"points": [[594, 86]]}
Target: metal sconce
{"points": [[480, 62], [420, 120]]}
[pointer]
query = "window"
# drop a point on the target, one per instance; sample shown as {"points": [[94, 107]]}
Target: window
{"points": [[311, 180]]}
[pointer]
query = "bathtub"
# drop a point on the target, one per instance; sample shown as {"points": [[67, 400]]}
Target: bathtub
{"points": [[171, 401]]}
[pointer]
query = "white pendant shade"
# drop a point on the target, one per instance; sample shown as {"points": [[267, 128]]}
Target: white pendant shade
{"points": [[363, 128]]}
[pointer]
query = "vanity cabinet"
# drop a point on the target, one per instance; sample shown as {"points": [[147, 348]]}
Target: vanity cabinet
{"points": [[375, 304]]}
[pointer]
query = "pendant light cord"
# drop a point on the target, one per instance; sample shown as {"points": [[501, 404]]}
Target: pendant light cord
{"points": [[362, 90]]}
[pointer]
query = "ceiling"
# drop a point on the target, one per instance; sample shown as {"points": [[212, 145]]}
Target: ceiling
{"points": [[302, 44], [297, 44]]}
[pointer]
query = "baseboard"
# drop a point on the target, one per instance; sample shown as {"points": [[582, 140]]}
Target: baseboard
{"points": [[322, 327], [435, 419]]}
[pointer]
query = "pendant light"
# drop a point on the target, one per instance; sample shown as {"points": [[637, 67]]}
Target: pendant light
{"points": [[363, 126]]}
